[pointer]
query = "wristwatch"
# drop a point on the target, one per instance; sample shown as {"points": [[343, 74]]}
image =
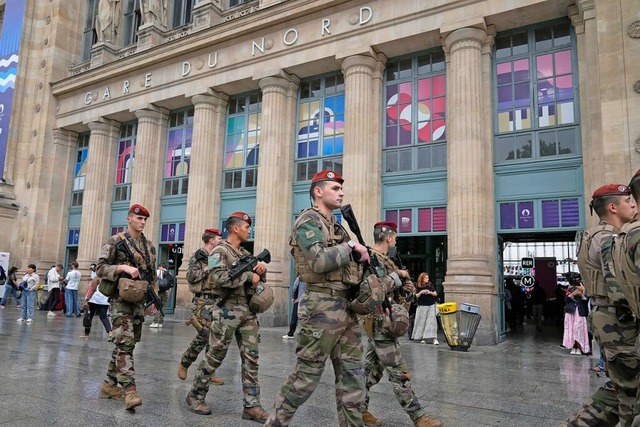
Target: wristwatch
{"points": [[351, 244]]}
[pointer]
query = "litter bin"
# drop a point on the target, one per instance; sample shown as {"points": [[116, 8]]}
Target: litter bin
{"points": [[459, 326]]}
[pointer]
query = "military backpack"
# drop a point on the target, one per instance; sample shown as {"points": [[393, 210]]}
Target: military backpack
{"points": [[592, 275], [624, 249]]}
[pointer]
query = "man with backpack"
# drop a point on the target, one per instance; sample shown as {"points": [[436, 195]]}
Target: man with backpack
{"points": [[165, 283], [612, 324]]}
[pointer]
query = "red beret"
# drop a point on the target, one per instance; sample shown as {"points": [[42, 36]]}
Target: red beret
{"points": [[327, 175], [139, 210], [243, 216], [212, 232], [611, 190], [390, 225], [636, 174]]}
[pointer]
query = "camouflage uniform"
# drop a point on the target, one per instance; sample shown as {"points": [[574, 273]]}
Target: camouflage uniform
{"points": [[234, 319], [164, 297], [326, 327], [127, 317], [615, 333], [383, 352], [197, 275]]}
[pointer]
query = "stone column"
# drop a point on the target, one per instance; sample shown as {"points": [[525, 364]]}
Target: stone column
{"points": [[98, 191], [148, 164], [274, 194], [362, 138], [207, 149], [470, 229]]}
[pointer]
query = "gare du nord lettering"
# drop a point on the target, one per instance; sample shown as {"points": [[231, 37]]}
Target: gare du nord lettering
{"points": [[289, 38]]}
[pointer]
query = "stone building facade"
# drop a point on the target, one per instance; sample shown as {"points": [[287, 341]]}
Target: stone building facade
{"points": [[464, 121]]}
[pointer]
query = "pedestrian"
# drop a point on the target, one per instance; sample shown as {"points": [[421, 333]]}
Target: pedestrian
{"points": [[383, 349], [127, 258], [71, 291], [575, 334], [615, 334], [96, 303], [322, 254], [198, 280], [163, 293], [11, 288], [298, 289], [29, 286], [538, 298], [232, 318], [53, 286], [426, 324]]}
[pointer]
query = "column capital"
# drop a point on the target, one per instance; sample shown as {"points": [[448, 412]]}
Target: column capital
{"points": [[64, 137], [359, 64], [464, 38], [152, 114], [285, 84], [210, 98], [103, 126]]}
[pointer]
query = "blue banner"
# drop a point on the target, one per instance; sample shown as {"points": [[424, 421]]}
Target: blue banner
{"points": [[9, 49]]}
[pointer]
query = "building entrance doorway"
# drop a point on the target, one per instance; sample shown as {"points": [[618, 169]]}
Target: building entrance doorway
{"points": [[424, 254], [553, 254], [171, 255]]}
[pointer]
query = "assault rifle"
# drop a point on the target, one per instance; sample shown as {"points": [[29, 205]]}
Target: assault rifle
{"points": [[395, 257], [373, 265], [152, 297], [245, 263]]}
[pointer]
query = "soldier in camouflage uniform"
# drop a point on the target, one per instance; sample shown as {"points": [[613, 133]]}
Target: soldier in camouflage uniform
{"points": [[127, 317], [383, 351], [233, 319], [612, 324], [322, 250], [197, 277]]}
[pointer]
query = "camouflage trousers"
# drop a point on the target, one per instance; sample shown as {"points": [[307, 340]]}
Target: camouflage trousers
{"points": [[233, 320], [617, 339], [326, 329], [198, 344], [382, 354], [164, 297], [127, 319]]}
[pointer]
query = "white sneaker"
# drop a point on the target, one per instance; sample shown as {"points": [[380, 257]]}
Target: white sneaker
{"points": [[51, 313], [20, 320], [159, 325], [29, 320], [435, 342], [574, 351], [423, 342], [153, 325], [287, 337]]}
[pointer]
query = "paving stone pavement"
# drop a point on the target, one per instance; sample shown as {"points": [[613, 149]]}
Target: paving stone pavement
{"points": [[50, 376]]}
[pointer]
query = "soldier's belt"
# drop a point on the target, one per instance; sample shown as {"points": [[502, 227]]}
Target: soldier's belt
{"points": [[328, 291], [204, 295], [600, 301], [234, 299]]}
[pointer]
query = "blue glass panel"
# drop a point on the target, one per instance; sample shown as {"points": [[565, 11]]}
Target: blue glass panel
{"points": [[339, 145], [181, 228], [313, 148], [302, 150]]}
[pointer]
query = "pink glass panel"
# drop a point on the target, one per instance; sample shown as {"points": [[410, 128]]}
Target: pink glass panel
{"points": [[424, 89], [439, 87], [440, 219], [424, 219], [563, 62], [404, 226]]}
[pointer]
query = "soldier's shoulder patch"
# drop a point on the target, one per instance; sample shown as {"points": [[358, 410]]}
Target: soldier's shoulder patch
{"points": [[309, 234], [214, 260]]}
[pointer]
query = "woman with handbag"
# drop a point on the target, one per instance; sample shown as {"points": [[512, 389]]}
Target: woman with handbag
{"points": [[426, 325], [11, 288], [29, 286], [576, 335], [95, 302]]}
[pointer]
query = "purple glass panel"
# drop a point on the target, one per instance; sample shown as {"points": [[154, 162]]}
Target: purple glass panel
{"points": [[405, 221], [392, 137], [181, 228], [391, 216], [405, 135], [507, 216], [164, 235], [550, 214], [522, 95], [504, 73], [521, 70], [564, 87], [570, 212], [440, 219], [525, 215], [563, 62], [424, 219], [505, 98]]}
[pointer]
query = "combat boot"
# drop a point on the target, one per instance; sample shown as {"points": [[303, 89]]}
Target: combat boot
{"points": [[182, 372], [131, 398], [109, 391], [217, 380], [255, 413], [198, 406], [371, 420], [425, 421]]}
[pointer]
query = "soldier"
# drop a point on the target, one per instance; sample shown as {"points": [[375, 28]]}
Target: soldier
{"points": [[232, 319], [197, 276], [611, 322], [115, 265], [383, 350], [626, 260], [322, 251]]}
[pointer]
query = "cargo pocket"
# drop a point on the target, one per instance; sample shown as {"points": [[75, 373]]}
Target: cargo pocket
{"points": [[310, 343]]}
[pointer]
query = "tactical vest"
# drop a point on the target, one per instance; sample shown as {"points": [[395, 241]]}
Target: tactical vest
{"points": [[232, 258], [591, 273], [200, 259], [333, 234], [624, 251]]}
